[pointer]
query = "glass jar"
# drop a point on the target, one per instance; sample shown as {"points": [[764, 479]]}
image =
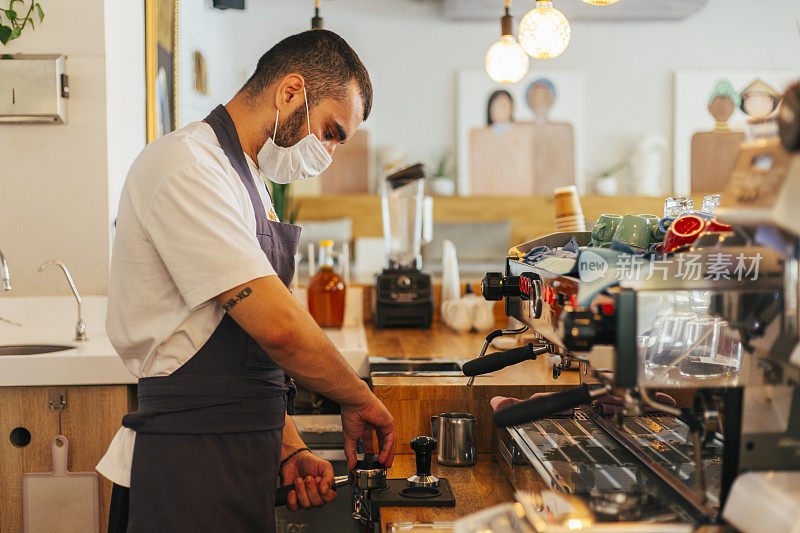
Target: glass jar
{"points": [[326, 290]]}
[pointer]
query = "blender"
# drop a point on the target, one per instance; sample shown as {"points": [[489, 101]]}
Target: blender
{"points": [[404, 294]]}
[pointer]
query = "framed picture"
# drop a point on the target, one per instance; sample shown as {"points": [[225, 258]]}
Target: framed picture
{"points": [[519, 139], [706, 146], [162, 67]]}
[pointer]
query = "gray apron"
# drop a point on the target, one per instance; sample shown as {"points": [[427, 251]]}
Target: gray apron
{"points": [[208, 436]]}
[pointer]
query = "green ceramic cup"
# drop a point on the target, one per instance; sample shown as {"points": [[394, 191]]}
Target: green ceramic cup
{"points": [[655, 233], [604, 228], [632, 235]]}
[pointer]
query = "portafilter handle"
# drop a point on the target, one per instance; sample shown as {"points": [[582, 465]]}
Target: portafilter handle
{"points": [[282, 495], [500, 360], [544, 406], [492, 336]]}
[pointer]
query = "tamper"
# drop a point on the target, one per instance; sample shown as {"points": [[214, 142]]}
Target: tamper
{"points": [[423, 450]]}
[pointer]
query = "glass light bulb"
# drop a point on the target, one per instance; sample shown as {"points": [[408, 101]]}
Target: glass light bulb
{"points": [[600, 2], [506, 62], [544, 31]]}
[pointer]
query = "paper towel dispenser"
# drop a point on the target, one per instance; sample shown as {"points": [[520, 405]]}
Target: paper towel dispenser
{"points": [[33, 89]]}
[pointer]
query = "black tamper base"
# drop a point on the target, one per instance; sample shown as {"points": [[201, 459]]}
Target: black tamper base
{"points": [[392, 495], [420, 493]]}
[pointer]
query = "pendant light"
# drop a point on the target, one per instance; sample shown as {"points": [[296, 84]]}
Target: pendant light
{"points": [[600, 2], [506, 61], [544, 32], [316, 20]]}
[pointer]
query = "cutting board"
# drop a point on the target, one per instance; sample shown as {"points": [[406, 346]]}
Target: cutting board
{"points": [[60, 501]]}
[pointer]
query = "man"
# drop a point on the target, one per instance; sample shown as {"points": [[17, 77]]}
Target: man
{"points": [[199, 307]]}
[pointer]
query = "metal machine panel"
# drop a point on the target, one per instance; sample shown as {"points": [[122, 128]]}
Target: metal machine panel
{"points": [[582, 455]]}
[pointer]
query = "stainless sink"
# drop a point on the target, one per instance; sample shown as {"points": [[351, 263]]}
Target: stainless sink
{"points": [[383, 366], [32, 349]]}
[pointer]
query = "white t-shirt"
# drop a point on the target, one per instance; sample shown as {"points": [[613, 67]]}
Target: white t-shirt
{"points": [[185, 233]]}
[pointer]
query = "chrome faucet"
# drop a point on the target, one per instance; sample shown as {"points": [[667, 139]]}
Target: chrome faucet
{"points": [[80, 326], [5, 275]]}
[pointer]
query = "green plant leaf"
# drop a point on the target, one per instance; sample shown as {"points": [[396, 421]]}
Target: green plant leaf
{"points": [[5, 34], [15, 33], [11, 14], [39, 10], [295, 212]]}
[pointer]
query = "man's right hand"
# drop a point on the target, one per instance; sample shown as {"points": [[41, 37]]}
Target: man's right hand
{"points": [[359, 420]]}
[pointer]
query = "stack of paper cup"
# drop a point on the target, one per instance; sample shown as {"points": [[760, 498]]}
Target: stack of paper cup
{"points": [[569, 215]]}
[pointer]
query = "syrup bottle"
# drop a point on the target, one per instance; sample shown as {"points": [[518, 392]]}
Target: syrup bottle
{"points": [[326, 290]]}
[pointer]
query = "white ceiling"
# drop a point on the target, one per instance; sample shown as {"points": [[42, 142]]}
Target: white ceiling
{"points": [[575, 9]]}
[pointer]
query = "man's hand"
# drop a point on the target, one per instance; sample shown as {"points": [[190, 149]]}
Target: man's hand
{"points": [[266, 310], [312, 478], [356, 420]]}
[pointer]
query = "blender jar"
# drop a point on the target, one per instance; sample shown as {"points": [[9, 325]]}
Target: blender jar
{"points": [[401, 205]]}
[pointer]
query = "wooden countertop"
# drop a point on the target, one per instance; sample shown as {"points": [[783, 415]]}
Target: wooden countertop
{"points": [[441, 342], [475, 488], [437, 342]]}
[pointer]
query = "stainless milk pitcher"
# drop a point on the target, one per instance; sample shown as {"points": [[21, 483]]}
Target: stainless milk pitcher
{"points": [[456, 435]]}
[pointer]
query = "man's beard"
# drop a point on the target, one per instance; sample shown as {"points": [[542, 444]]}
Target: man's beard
{"points": [[291, 129]]}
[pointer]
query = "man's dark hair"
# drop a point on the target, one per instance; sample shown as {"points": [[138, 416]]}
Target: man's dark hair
{"points": [[326, 62]]}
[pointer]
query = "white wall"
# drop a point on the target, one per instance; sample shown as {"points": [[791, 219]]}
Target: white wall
{"points": [[413, 54], [207, 30], [60, 184], [54, 178], [125, 94]]}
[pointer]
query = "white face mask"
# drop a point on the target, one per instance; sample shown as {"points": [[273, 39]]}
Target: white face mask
{"points": [[306, 159]]}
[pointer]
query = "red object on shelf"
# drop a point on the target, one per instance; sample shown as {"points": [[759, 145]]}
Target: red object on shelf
{"points": [[607, 308], [687, 228]]}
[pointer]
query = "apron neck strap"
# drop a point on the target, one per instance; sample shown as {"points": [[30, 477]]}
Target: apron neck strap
{"points": [[221, 122]]}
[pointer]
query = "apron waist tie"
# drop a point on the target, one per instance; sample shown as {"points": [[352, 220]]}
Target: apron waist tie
{"points": [[215, 403]]}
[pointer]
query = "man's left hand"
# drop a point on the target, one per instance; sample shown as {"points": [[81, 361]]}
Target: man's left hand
{"points": [[312, 478]]}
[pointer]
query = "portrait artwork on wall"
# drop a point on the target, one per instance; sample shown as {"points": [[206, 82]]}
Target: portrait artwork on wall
{"points": [[714, 152], [715, 111], [519, 139], [348, 173]]}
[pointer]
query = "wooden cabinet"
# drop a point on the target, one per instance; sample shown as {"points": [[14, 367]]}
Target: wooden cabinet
{"points": [[89, 422]]}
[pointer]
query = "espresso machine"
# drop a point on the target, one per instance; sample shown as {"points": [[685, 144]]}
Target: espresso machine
{"points": [[403, 293], [723, 343]]}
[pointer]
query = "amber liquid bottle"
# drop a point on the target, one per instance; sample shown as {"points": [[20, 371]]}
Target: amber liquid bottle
{"points": [[326, 291]]}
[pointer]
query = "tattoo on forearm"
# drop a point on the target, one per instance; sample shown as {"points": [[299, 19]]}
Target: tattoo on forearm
{"points": [[247, 291]]}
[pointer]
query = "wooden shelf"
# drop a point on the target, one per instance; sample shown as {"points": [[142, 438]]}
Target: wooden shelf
{"points": [[530, 216]]}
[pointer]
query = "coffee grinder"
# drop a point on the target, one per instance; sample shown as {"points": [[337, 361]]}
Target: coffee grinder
{"points": [[404, 294]]}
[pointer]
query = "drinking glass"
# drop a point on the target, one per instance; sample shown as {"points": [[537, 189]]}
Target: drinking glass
{"points": [[715, 350], [675, 206], [670, 341], [710, 204]]}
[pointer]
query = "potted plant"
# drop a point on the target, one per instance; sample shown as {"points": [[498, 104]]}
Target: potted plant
{"points": [[605, 182], [14, 20], [441, 181], [285, 207]]}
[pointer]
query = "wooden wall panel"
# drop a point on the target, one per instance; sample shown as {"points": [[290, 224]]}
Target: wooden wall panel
{"points": [[413, 406], [89, 422]]}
